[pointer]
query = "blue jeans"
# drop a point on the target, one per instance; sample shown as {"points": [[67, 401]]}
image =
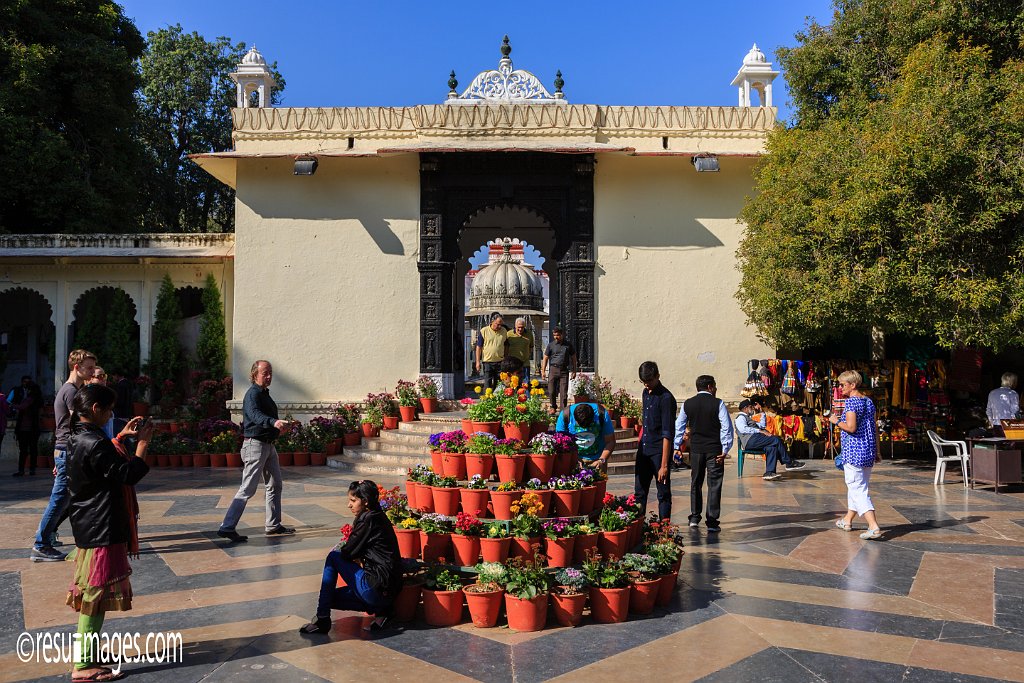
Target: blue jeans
{"points": [[356, 595], [774, 450], [60, 500]]}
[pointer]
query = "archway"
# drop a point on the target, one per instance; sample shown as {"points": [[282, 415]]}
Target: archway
{"points": [[27, 338], [190, 302], [105, 323]]}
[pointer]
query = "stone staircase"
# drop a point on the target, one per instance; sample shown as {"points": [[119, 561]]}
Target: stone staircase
{"points": [[396, 450]]}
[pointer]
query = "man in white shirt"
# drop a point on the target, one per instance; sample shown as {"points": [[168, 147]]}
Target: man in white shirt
{"points": [[1003, 403], [755, 437]]}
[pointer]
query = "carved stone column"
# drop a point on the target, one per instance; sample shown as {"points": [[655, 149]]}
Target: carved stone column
{"points": [[576, 267]]}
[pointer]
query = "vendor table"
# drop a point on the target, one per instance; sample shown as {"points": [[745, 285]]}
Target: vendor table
{"points": [[996, 461]]}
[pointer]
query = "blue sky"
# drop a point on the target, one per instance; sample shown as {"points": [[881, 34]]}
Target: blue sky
{"points": [[399, 53]]}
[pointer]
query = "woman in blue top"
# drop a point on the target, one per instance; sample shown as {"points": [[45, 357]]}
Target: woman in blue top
{"points": [[859, 453]]}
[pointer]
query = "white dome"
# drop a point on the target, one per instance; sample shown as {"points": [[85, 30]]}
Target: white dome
{"points": [[755, 56], [507, 285], [253, 56]]}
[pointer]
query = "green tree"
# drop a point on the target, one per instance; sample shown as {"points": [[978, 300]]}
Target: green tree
{"points": [[186, 100], [166, 360], [90, 322], [211, 348], [69, 154], [121, 350], [894, 199]]}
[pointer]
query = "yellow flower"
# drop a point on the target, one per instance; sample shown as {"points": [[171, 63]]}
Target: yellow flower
{"points": [[514, 381], [408, 523], [540, 392], [504, 376], [534, 383], [489, 391], [477, 389]]}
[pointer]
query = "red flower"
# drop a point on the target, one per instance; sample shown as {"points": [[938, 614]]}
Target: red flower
{"points": [[346, 531], [608, 498], [509, 391], [521, 407]]}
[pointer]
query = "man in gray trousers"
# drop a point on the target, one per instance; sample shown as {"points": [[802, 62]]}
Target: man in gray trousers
{"points": [[260, 427]]}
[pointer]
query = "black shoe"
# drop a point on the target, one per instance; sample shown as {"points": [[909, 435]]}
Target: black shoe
{"points": [[714, 529], [795, 465], [318, 625], [772, 476], [280, 530], [18, 474], [378, 625], [46, 554], [233, 536]]}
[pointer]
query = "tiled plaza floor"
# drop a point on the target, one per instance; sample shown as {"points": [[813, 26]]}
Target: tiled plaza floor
{"points": [[779, 595]]}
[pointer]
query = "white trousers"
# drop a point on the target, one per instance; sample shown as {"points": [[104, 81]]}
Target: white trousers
{"points": [[857, 497]]}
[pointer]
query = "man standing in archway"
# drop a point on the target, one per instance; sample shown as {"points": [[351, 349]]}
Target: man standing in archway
{"points": [[491, 343], [520, 346], [560, 356]]}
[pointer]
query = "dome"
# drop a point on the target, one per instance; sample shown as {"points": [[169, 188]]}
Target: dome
{"points": [[755, 56], [253, 56], [507, 285]]}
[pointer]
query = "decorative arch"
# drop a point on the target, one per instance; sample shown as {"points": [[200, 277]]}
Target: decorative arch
{"points": [[93, 327], [190, 300], [27, 318]]}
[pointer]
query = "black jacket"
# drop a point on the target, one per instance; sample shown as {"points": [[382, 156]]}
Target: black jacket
{"points": [[96, 477], [374, 542]]}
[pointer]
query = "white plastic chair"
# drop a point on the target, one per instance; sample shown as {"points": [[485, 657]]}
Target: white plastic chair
{"points": [[960, 450]]}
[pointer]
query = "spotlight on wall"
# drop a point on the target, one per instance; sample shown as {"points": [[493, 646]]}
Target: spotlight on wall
{"points": [[305, 165], [705, 163]]}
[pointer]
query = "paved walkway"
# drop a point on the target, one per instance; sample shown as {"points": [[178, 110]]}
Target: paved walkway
{"points": [[780, 594]]}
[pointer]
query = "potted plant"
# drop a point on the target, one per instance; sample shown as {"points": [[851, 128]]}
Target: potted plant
{"points": [[408, 598], [515, 416], [566, 455], [479, 454], [511, 463], [385, 405], [588, 492], [417, 482], [609, 589], [495, 542], [484, 597], [559, 541], [140, 405], [566, 492], [540, 462], [466, 539], [603, 394], [435, 536], [445, 491], [569, 596], [526, 594], [613, 538], [427, 390], [405, 392], [600, 486], [503, 497], [442, 596], [372, 421], [408, 532], [525, 525], [643, 575], [543, 493], [447, 453], [485, 414], [586, 534], [631, 411], [475, 496], [347, 415], [465, 422], [581, 388], [665, 546]]}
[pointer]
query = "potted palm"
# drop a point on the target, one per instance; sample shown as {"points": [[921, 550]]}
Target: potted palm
{"points": [[405, 392], [475, 496], [526, 594], [609, 589], [435, 537], [559, 541], [427, 390], [484, 597], [569, 596], [442, 596], [495, 542], [643, 575], [525, 525], [466, 539]]}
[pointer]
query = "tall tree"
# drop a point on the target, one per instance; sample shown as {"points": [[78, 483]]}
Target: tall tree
{"points": [[166, 359], [121, 353], [895, 197], [69, 156], [185, 99], [211, 348]]}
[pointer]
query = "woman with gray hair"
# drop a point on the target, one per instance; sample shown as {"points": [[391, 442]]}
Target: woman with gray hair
{"points": [[859, 453], [1003, 403]]}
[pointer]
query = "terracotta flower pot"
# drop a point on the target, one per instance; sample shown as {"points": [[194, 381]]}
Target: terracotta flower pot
{"points": [[587, 500], [425, 497], [407, 600], [474, 501], [410, 492], [609, 605], [523, 547], [429, 405], [613, 543], [600, 488], [627, 422], [502, 501], [495, 549], [437, 462], [479, 463], [581, 399], [666, 586], [317, 459], [510, 467], [175, 460], [526, 615], [489, 427], [201, 460], [636, 528], [140, 408], [163, 461], [484, 607], [186, 460], [564, 463], [390, 422], [218, 460], [559, 551], [565, 503], [446, 501], [442, 608], [301, 458], [643, 596], [352, 439], [584, 542], [407, 413], [539, 466], [408, 543], [568, 609], [151, 460], [370, 430], [545, 496], [467, 425], [517, 430], [435, 546], [332, 448], [466, 550], [233, 459], [454, 465], [286, 459], [538, 428]]}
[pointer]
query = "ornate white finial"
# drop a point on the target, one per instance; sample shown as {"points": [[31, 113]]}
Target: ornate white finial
{"points": [[755, 56], [253, 56], [755, 74], [506, 84], [252, 76]]}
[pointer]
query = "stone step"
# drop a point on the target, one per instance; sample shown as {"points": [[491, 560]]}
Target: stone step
{"points": [[397, 459], [368, 468], [388, 447], [401, 438]]}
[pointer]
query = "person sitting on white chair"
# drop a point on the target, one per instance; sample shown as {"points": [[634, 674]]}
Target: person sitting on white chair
{"points": [[754, 436], [1004, 402]]}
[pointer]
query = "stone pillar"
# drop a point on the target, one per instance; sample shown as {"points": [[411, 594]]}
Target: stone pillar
{"points": [[60, 335], [145, 318]]}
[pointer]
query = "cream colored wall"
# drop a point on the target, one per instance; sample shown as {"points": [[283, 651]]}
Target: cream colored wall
{"points": [[666, 241], [327, 287]]}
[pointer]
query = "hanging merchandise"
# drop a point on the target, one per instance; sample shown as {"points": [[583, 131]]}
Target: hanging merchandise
{"points": [[789, 381], [753, 386], [764, 376]]}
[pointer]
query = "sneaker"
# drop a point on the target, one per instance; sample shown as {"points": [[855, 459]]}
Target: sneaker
{"points": [[378, 625], [694, 525], [280, 530], [771, 476], [318, 625], [714, 529], [46, 554], [233, 536], [795, 465]]}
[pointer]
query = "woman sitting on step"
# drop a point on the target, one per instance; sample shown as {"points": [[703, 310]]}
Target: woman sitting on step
{"points": [[368, 561]]}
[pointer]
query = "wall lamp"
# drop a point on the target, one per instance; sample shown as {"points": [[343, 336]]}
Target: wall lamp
{"points": [[705, 163], [305, 165]]}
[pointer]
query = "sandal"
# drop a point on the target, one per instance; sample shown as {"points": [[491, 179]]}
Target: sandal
{"points": [[871, 534], [843, 525], [318, 625], [101, 674]]}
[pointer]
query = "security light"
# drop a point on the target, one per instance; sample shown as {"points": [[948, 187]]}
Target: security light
{"points": [[305, 165], [705, 163]]}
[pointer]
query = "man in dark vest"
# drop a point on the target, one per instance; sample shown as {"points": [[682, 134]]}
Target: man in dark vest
{"points": [[710, 442]]}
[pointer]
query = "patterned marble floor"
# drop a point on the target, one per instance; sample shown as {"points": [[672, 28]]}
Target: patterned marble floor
{"points": [[780, 594]]}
